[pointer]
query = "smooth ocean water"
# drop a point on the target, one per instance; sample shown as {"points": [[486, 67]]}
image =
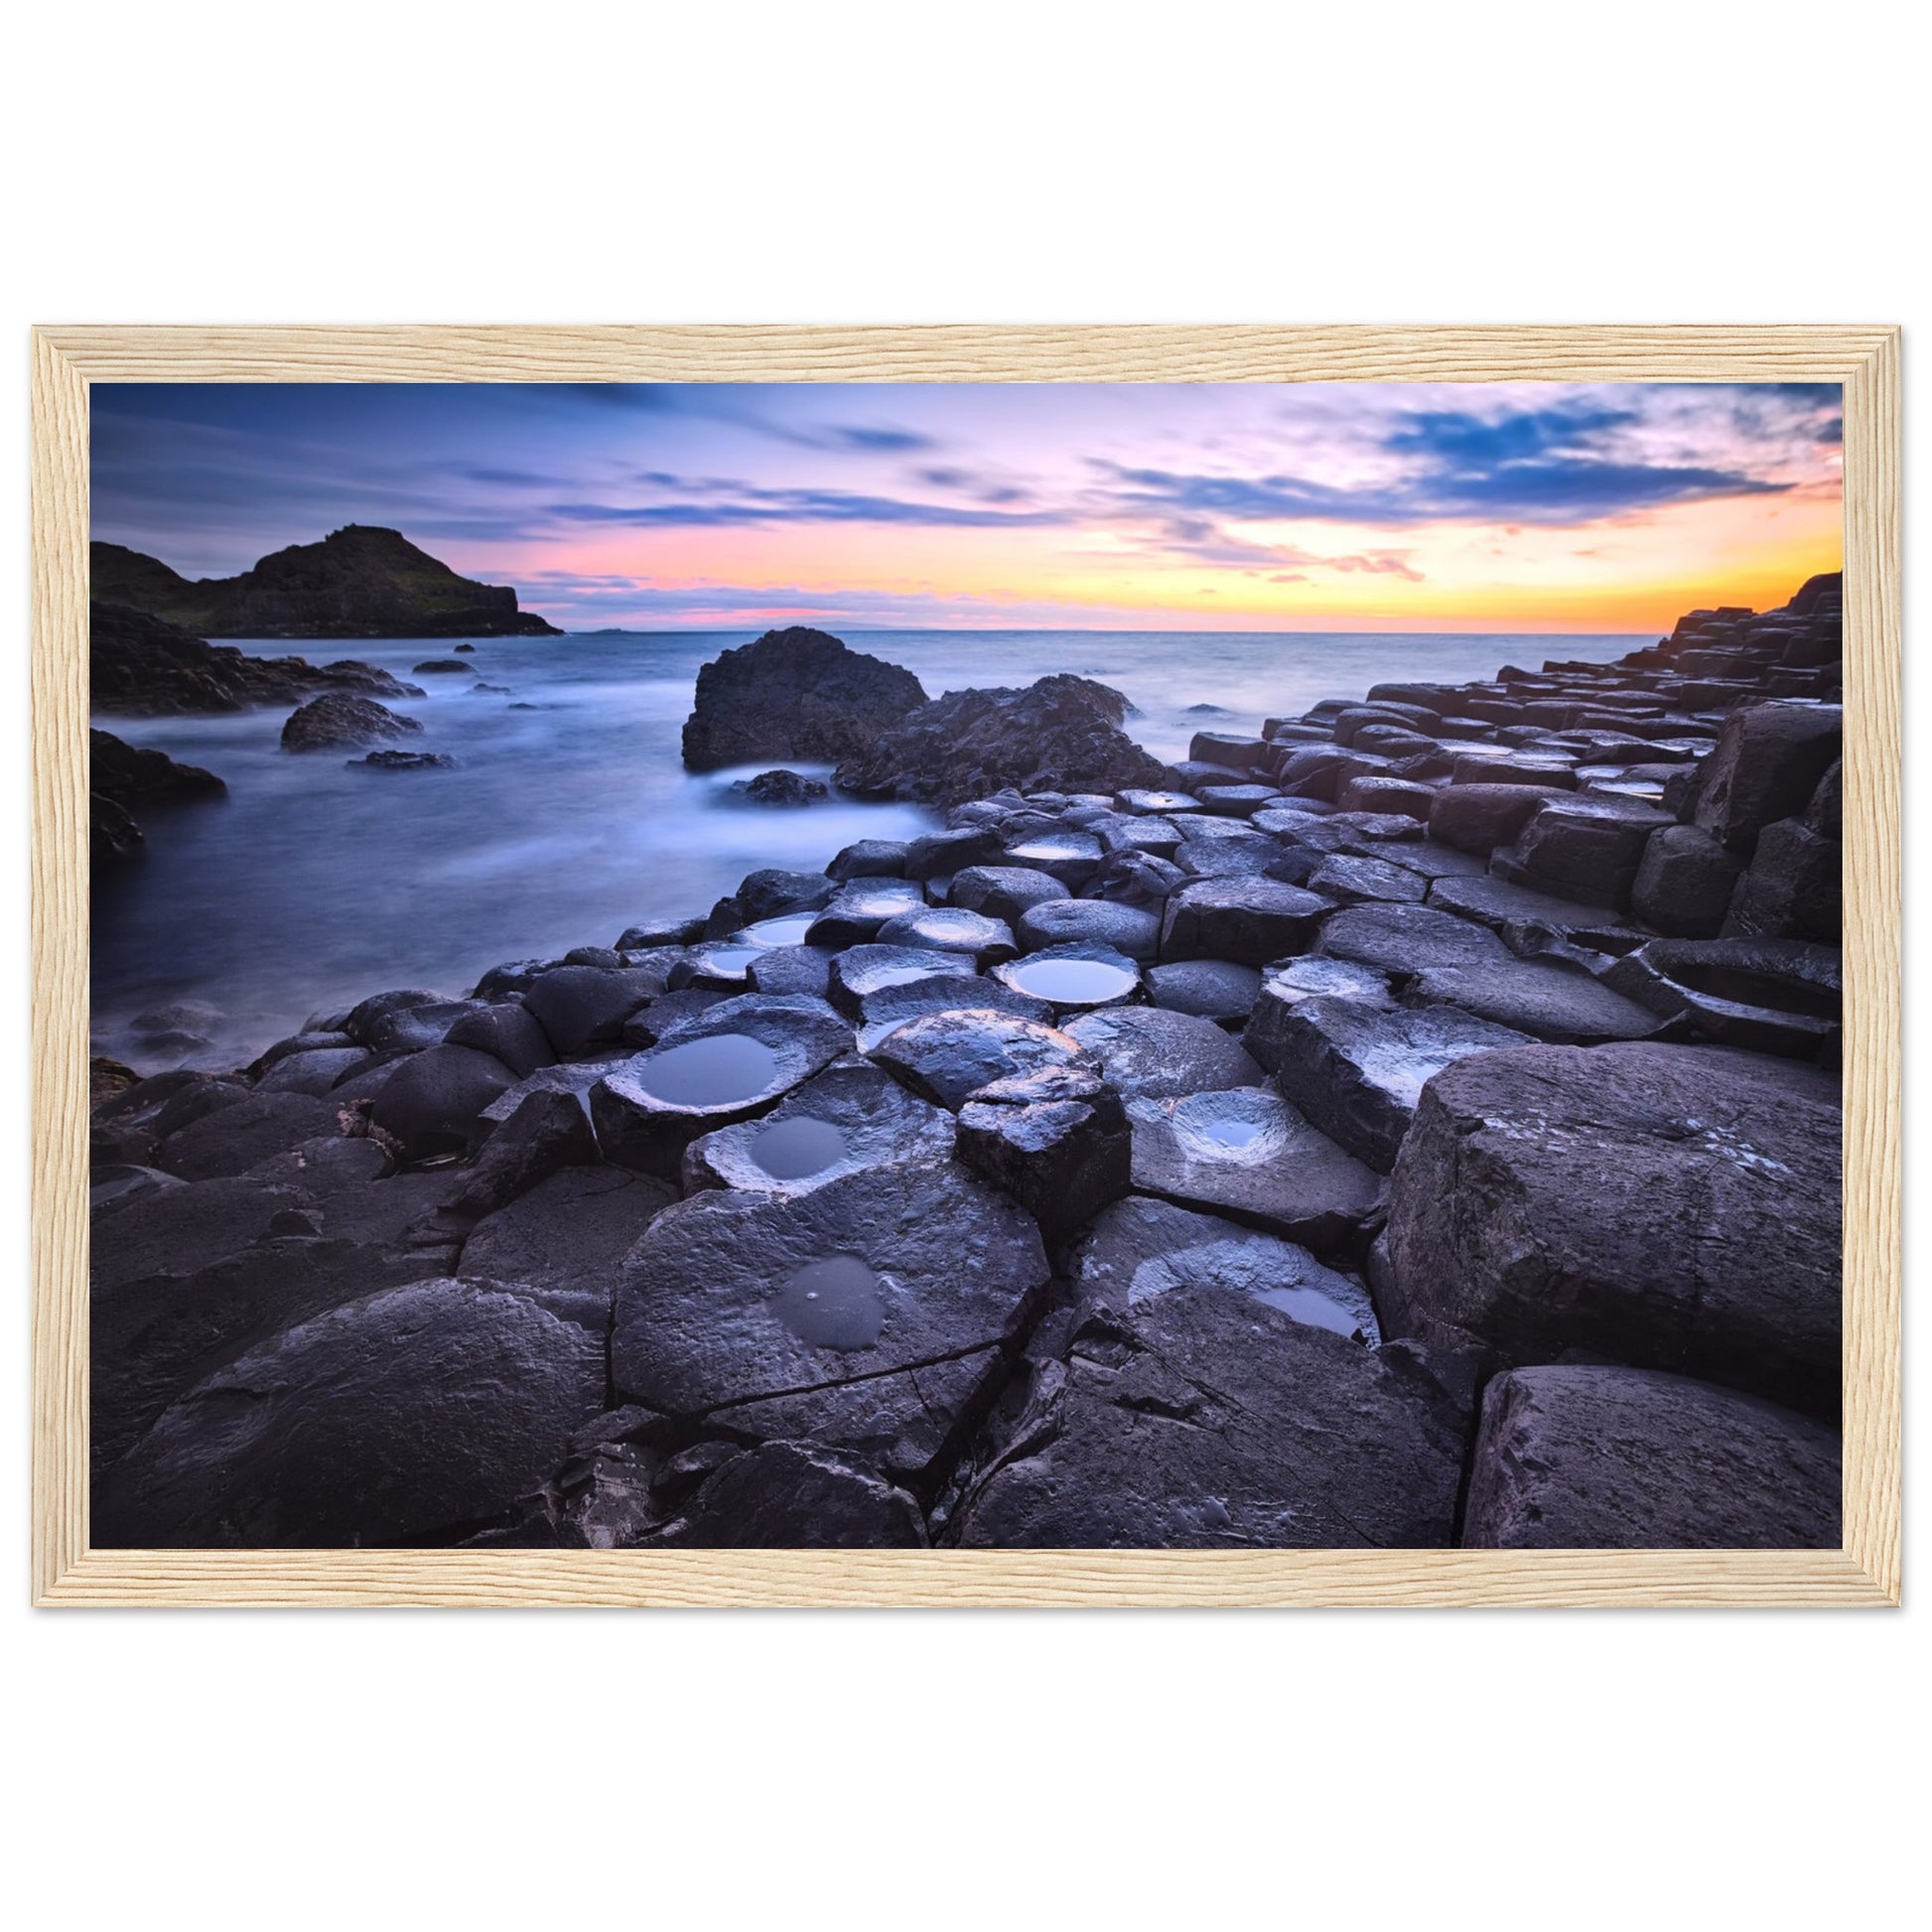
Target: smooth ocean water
{"points": [[313, 884]]}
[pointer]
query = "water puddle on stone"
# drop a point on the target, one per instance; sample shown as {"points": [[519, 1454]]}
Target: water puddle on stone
{"points": [[728, 959], [1311, 1307], [1240, 1124], [721, 1071], [791, 1150], [1047, 852], [1070, 982], [832, 1304], [788, 930]]}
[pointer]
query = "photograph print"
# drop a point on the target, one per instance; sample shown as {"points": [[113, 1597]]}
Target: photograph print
{"points": [[997, 966]]}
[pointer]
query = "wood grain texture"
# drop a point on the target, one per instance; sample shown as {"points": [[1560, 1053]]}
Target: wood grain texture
{"points": [[1866, 1570]]}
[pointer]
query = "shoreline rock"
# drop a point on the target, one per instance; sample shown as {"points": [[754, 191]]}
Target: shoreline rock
{"points": [[1410, 1123]]}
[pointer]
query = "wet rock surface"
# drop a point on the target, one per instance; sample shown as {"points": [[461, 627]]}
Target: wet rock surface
{"points": [[1153, 1054], [1249, 1155], [737, 1060], [1667, 1208], [1203, 1419], [946, 1057], [794, 694], [853, 1115], [1061, 733], [410, 1413], [734, 1302], [1358, 1071], [1030, 1165], [1139, 1248], [1618, 1459]]}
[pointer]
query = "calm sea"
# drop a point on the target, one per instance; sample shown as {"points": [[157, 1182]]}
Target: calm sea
{"points": [[313, 884]]}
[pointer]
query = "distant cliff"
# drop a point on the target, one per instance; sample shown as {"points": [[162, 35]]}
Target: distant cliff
{"points": [[357, 582]]}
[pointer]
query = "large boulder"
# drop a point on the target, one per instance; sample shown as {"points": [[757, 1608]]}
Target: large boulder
{"points": [[1061, 733], [1595, 1458], [794, 694], [867, 1314], [1668, 1207], [1768, 761], [1203, 1419], [401, 1417]]}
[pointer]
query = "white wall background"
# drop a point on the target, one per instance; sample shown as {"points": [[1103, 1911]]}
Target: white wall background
{"points": [[994, 161]]}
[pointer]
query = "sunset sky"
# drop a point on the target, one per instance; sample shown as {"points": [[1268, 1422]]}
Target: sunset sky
{"points": [[1334, 506]]}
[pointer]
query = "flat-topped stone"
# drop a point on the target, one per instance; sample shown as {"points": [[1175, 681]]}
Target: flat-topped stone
{"points": [[1669, 1208], [1247, 1154], [1597, 1458], [1357, 1072], [946, 1057], [1250, 920], [1556, 1002], [816, 1314], [733, 1062], [1203, 1418], [853, 1115], [1406, 939], [1139, 1248], [1152, 1053]]}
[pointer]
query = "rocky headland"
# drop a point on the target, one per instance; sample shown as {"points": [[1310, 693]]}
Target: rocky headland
{"points": [[1409, 1124], [143, 666], [357, 582]]}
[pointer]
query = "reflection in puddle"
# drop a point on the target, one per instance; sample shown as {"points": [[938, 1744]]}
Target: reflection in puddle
{"points": [[832, 1304], [1244, 1124], [726, 960], [789, 1150], [1070, 982], [714, 1072], [788, 930]]}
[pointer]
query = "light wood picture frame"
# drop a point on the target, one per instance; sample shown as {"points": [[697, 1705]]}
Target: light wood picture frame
{"points": [[66, 1570]]}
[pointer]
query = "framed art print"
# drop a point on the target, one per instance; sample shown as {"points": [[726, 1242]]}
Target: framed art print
{"points": [[966, 966]]}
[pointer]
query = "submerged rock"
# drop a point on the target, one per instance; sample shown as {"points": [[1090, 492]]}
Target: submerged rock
{"points": [[1596, 1458], [782, 788], [342, 723]]}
